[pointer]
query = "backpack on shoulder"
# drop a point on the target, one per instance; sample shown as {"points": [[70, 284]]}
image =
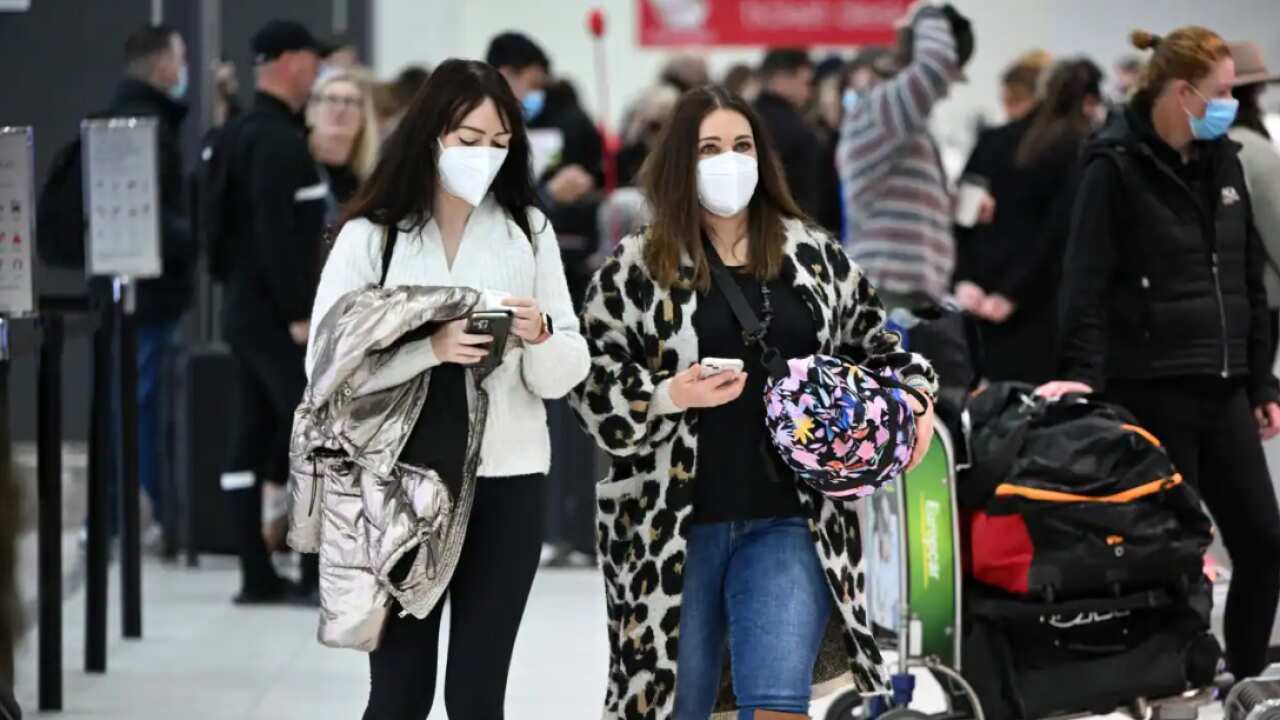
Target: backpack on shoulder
{"points": [[61, 224], [214, 221]]}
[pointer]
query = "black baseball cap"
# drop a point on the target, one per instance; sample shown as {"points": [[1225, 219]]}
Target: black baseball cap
{"points": [[281, 36]]}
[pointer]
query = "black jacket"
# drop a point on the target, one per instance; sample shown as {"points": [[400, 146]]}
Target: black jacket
{"points": [[798, 147], [576, 223], [1019, 254], [1163, 274], [166, 298], [279, 202], [829, 211], [582, 143]]}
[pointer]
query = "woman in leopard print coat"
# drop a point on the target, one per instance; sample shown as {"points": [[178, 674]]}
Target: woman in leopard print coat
{"points": [[650, 314]]}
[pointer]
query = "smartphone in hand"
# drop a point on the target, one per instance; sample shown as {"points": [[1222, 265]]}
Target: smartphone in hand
{"points": [[497, 324], [711, 367]]}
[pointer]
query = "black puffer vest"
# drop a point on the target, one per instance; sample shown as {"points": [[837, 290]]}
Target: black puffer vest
{"points": [[1179, 304]]}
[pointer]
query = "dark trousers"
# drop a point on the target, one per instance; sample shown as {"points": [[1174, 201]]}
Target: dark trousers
{"points": [[1023, 348], [571, 516], [272, 379], [1208, 427], [487, 598]]}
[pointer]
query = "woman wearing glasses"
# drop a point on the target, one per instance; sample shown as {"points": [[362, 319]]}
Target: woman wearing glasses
{"points": [[344, 137]]}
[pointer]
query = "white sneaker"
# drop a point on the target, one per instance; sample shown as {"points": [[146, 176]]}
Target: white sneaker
{"points": [[153, 539], [549, 551]]}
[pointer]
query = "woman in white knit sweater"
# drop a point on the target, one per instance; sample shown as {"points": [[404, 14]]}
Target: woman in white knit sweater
{"points": [[453, 193]]}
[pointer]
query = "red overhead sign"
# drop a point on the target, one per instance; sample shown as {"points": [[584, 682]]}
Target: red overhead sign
{"points": [[769, 22]]}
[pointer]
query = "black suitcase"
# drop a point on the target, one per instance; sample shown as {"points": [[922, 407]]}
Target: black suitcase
{"points": [[204, 419], [9, 709], [1028, 659]]}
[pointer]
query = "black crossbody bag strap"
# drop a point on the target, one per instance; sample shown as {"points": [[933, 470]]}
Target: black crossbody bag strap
{"points": [[388, 249], [753, 331]]}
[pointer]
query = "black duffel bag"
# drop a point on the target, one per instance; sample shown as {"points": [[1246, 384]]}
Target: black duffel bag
{"points": [[1030, 659]]}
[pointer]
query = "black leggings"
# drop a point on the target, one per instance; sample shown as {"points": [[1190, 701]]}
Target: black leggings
{"points": [[486, 598], [1209, 430]]}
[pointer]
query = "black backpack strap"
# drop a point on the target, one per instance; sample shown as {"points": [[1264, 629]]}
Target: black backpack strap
{"points": [[753, 331], [986, 473], [388, 249]]}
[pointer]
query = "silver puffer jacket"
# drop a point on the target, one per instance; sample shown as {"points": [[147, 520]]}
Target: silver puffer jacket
{"points": [[351, 500]]}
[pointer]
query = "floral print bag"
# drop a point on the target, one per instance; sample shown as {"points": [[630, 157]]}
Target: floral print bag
{"points": [[843, 429]]}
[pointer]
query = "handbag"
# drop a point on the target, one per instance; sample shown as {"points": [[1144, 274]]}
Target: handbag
{"points": [[843, 429]]}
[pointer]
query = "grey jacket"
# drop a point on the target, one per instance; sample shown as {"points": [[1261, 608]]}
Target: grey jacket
{"points": [[352, 502]]}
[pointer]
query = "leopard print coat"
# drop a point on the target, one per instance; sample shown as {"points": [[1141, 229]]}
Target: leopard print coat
{"points": [[641, 334]]}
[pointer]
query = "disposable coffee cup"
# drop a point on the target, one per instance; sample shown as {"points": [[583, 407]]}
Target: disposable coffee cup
{"points": [[493, 299], [970, 197]]}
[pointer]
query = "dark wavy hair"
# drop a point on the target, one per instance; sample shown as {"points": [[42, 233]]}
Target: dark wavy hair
{"points": [[1250, 114], [402, 186], [670, 180]]}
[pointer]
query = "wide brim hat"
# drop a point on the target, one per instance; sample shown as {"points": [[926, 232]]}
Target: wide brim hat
{"points": [[1250, 68]]}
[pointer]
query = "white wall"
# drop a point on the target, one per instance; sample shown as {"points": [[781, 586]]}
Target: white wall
{"points": [[432, 30], [429, 31], [1096, 28]]}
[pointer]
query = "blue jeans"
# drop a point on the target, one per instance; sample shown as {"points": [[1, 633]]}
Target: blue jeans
{"points": [[757, 584], [155, 345]]}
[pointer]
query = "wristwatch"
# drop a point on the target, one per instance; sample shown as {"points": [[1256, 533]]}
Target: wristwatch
{"points": [[547, 329]]}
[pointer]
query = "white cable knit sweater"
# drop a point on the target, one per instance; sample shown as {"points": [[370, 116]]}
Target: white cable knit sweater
{"points": [[494, 255]]}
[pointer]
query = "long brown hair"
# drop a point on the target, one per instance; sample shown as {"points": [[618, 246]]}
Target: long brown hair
{"points": [[1188, 53], [670, 181], [1061, 112]]}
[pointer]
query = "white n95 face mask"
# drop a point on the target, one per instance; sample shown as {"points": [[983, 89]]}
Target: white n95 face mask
{"points": [[726, 182], [467, 172]]}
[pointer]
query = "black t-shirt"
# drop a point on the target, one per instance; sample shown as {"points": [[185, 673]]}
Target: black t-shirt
{"points": [[734, 479], [438, 440]]}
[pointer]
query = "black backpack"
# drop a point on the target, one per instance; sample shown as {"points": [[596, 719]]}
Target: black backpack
{"points": [[60, 215], [1072, 500]]}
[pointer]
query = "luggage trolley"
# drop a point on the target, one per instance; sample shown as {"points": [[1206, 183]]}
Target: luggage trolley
{"points": [[919, 542], [921, 546]]}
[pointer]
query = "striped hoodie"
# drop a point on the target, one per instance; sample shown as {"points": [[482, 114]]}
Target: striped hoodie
{"points": [[895, 189]]}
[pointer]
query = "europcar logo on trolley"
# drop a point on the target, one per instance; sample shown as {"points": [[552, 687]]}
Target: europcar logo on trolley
{"points": [[930, 513]]}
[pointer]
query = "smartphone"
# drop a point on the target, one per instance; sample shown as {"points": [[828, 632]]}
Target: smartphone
{"points": [[496, 323], [714, 366]]}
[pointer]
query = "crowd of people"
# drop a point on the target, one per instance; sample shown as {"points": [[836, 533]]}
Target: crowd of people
{"points": [[1115, 236]]}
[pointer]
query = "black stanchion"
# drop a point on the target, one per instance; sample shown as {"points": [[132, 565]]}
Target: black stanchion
{"points": [[130, 496], [49, 459], [6, 642], [101, 475]]}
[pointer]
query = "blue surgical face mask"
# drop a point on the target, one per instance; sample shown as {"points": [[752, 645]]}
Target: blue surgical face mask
{"points": [[179, 91], [849, 100], [1219, 113], [533, 102]]}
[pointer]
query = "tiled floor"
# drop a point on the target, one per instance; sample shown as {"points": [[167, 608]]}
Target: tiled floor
{"points": [[203, 659]]}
